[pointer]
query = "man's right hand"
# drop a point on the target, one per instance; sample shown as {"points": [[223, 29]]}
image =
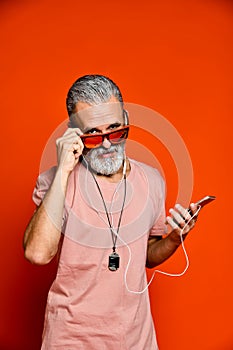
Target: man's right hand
{"points": [[69, 149]]}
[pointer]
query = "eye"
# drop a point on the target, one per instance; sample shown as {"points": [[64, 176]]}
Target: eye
{"points": [[93, 131], [114, 126]]}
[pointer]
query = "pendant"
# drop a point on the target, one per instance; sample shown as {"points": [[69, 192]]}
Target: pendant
{"points": [[113, 261]]}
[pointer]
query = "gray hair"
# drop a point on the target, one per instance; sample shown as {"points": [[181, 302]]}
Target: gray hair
{"points": [[92, 89]]}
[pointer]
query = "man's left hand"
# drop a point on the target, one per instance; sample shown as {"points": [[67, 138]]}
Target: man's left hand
{"points": [[181, 219]]}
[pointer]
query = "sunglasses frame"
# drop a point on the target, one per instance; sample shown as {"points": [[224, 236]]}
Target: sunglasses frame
{"points": [[106, 135]]}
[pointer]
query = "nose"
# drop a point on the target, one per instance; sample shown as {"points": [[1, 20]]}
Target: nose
{"points": [[106, 143]]}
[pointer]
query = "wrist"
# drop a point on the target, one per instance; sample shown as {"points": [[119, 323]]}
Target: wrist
{"points": [[175, 237], [61, 178]]}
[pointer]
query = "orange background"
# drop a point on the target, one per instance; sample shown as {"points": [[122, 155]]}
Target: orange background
{"points": [[172, 56]]}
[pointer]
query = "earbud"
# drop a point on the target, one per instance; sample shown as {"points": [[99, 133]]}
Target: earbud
{"points": [[126, 117]]}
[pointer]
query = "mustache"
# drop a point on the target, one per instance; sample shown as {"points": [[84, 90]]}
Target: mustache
{"points": [[102, 150]]}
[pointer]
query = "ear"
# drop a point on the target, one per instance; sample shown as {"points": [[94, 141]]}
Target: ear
{"points": [[126, 117]]}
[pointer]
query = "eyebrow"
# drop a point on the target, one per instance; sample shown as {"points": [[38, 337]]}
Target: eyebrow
{"points": [[86, 131]]}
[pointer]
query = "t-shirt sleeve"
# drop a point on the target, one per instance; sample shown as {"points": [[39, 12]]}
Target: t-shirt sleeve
{"points": [[43, 184], [159, 227]]}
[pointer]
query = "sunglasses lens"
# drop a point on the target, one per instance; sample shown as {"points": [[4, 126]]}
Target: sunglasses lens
{"points": [[118, 136], [92, 142]]}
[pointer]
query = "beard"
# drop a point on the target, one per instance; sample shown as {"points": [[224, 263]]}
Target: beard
{"points": [[109, 165]]}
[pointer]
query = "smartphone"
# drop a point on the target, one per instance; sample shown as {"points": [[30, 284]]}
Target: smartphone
{"points": [[202, 202]]}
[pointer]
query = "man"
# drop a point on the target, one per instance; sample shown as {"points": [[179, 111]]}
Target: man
{"points": [[110, 211]]}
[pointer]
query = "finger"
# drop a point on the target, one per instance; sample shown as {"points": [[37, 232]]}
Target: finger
{"points": [[177, 227], [69, 136], [69, 139], [77, 131], [193, 208], [74, 140], [179, 219], [172, 223], [77, 149], [183, 212], [70, 145]]}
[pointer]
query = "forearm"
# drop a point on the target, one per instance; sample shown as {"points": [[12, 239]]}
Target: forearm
{"points": [[43, 233], [160, 250]]}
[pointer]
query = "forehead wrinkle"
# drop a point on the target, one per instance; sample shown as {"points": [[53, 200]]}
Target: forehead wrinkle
{"points": [[99, 115], [101, 124]]}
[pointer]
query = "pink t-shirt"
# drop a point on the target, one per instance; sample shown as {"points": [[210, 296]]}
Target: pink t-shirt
{"points": [[89, 306]]}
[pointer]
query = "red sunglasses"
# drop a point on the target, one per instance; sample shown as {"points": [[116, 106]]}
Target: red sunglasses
{"points": [[115, 136]]}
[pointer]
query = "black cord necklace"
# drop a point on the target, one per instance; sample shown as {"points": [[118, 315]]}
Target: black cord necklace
{"points": [[114, 258]]}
